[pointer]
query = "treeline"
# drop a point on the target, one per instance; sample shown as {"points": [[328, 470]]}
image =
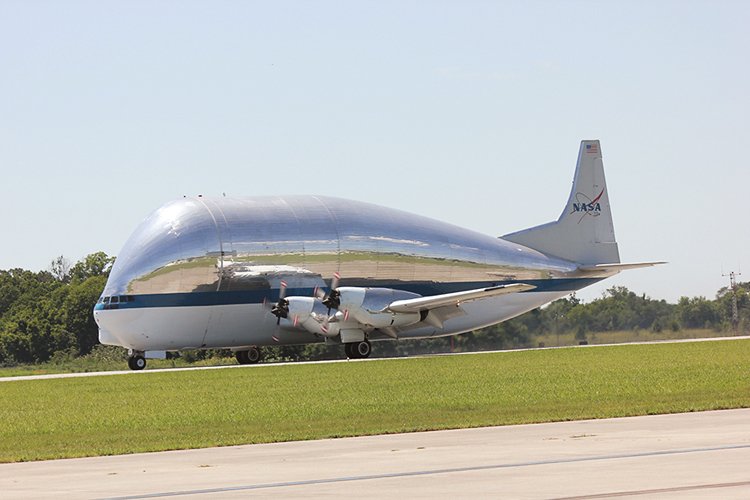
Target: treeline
{"points": [[619, 309], [48, 314]]}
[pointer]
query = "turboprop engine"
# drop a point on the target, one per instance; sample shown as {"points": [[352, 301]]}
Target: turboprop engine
{"points": [[301, 311], [357, 308], [369, 306]]}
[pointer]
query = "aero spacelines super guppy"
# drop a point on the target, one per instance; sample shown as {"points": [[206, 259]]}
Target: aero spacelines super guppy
{"points": [[241, 273]]}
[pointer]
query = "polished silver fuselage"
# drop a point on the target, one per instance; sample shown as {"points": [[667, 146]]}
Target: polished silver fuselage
{"points": [[197, 272]]}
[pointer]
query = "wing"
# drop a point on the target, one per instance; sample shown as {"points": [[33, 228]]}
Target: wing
{"points": [[421, 304], [367, 309]]}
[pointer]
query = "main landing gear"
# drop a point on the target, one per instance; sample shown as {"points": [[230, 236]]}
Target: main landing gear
{"points": [[249, 357], [136, 361], [357, 350]]}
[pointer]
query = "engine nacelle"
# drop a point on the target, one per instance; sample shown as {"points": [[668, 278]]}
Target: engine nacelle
{"points": [[359, 308], [310, 314], [300, 308], [368, 306]]}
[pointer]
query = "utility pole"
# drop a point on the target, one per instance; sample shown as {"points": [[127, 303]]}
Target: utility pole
{"points": [[733, 286]]}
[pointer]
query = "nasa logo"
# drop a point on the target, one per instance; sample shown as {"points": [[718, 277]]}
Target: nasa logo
{"points": [[587, 206]]}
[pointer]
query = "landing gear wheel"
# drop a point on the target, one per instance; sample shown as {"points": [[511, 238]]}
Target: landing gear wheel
{"points": [[253, 355], [362, 349], [357, 350], [136, 362], [249, 357], [348, 351]]}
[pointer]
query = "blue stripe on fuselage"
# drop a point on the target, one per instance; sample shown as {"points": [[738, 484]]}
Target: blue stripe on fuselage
{"points": [[272, 295]]}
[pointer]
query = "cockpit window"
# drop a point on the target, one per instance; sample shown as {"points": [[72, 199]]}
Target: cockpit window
{"points": [[113, 301]]}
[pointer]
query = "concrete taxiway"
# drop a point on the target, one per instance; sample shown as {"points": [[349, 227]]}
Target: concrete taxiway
{"points": [[691, 455]]}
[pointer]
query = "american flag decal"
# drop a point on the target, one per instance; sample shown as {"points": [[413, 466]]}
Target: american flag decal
{"points": [[592, 148]]}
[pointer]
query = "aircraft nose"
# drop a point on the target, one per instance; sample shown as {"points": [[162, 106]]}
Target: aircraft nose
{"points": [[174, 250]]}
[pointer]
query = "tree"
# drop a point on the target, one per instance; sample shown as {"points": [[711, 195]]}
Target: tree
{"points": [[697, 312], [78, 315], [50, 311], [95, 264], [60, 269]]}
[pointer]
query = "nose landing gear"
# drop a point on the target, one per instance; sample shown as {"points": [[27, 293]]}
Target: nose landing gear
{"points": [[136, 361]]}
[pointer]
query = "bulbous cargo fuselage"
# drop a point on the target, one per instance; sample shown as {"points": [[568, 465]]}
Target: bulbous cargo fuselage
{"points": [[197, 272]]}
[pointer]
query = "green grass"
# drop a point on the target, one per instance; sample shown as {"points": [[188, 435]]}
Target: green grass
{"points": [[116, 414], [111, 362]]}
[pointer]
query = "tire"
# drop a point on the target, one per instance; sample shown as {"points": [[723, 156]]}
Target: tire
{"points": [[253, 355], [358, 350], [362, 349], [136, 362], [249, 357], [242, 357]]}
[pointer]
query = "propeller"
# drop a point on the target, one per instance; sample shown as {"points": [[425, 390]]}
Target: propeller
{"points": [[281, 308], [333, 301]]}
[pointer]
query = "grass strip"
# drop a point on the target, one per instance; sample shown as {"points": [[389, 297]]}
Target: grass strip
{"points": [[89, 416]]}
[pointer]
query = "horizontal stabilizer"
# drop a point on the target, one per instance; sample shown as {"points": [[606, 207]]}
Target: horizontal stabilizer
{"points": [[617, 267], [447, 299]]}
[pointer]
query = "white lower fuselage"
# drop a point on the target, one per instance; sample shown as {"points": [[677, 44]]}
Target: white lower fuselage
{"points": [[240, 325]]}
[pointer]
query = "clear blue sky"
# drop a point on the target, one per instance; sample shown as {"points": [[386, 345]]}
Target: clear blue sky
{"points": [[469, 112]]}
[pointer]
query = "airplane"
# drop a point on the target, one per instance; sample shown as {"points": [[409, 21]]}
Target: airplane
{"points": [[241, 273]]}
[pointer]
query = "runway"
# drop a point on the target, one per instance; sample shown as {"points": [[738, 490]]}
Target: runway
{"points": [[690, 455], [263, 365]]}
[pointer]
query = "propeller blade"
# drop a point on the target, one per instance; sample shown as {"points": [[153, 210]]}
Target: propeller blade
{"points": [[280, 310], [333, 301], [267, 304]]}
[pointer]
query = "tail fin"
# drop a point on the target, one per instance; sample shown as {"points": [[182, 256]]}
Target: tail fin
{"points": [[584, 233]]}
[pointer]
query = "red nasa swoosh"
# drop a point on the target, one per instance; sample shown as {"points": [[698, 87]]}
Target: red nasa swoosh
{"points": [[597, 198]]}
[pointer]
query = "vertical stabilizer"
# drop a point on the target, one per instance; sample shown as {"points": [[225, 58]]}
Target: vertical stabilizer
{"points": [[584, 233]]}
